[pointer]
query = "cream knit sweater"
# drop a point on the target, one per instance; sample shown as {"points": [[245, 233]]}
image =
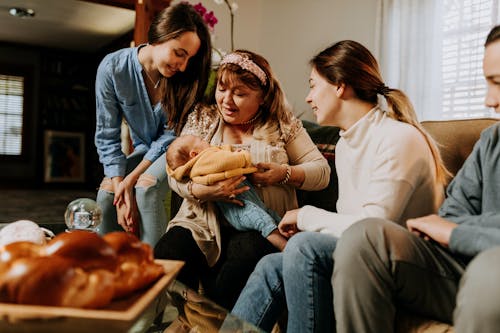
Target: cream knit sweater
{"points": [[385, 169]]}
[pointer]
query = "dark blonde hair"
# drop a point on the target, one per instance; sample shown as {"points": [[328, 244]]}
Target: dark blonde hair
{"points": [[350, 63], [274, 106], [177, 153], [183, 90]]}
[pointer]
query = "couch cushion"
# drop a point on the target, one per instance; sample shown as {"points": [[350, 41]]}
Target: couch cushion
{"points": [[456, 138], [325, 138]]}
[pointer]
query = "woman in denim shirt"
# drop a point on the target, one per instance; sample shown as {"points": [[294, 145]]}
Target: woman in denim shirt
{"points": [[142, 85]]}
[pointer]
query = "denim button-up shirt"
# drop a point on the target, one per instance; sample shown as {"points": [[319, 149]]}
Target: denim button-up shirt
{"points": [[121, 93]]}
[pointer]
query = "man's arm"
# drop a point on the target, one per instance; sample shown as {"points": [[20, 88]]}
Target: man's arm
{"points": [[469, 220]]}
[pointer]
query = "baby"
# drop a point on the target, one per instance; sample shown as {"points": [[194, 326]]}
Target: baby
{"points": [[190, 156]]}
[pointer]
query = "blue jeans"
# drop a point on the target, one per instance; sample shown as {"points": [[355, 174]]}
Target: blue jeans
{"points": [[303, 273], [150, 192], [254, 215]]}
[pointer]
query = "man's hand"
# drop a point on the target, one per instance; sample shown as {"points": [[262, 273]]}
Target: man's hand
{"points": [[288, 224], [432, 227]]}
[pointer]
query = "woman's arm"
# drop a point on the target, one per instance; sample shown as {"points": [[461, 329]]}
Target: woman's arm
{"points": [[108, 122], [307, 169]]}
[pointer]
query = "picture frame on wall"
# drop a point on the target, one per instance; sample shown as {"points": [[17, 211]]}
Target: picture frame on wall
{"points": [[64, 156]]}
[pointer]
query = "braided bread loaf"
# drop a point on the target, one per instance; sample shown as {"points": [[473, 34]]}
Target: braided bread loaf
{"points": [[76, 269]]}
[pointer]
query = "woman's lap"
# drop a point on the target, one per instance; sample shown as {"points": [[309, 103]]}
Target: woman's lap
{"points": [[240, 253], [222, 283]]}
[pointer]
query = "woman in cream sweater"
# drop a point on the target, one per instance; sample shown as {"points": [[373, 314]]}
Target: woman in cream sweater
{"points": [[387, 166]]}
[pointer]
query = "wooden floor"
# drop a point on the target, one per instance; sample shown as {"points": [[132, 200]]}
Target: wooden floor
{"points": [[45, 207]]}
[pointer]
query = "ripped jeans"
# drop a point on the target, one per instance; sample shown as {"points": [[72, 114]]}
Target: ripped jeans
{"points": [[150, 191]]}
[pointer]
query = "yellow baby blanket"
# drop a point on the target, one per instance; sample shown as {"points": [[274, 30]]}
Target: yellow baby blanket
{"points": [[214, 164]]}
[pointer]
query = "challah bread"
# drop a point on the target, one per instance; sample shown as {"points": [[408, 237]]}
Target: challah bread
{"points": [[136, 264], [76, 269], [55, 281], [87, 248], [10, 252]]}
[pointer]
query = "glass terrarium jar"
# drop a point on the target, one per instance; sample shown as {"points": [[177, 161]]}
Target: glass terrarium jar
{"points": [[83, 214]]}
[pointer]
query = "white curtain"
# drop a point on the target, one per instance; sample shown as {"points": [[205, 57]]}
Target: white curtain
{"points": [[408, 47]]}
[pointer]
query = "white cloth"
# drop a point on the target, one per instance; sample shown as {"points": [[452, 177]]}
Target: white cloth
{"points": [[24, 231], [385, 169], [408, 45]]}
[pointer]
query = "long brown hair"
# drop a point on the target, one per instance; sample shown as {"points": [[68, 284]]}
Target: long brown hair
{"points": [[493, 35], [183, 90], [352, 64], [275, 106]]}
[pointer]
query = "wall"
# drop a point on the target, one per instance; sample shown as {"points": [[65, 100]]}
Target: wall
{"points": [[289, 32], [23, 169], [60, 98]]}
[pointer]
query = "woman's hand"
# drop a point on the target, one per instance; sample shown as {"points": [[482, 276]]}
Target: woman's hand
{"points": [[126, 206], [268, 174], [128, 217], [432, 227], [288, 224], [224, 190]]}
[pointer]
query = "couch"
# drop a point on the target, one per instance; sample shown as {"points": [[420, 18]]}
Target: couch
{"points": [[455, 139]]}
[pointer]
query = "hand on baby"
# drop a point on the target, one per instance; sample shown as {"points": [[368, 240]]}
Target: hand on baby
{"points": [[268, 174], [224, 190]]}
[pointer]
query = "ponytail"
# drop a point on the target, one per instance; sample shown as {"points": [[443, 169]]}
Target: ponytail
{"points": [[401, 109]]}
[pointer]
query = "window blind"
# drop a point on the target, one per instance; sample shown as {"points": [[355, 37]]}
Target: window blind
{"points": [[11, 114], [466, 24]]}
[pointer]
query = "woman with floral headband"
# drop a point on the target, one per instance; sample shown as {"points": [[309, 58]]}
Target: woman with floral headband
{"points": [[387, 166], [250, 113], [152, 86]]}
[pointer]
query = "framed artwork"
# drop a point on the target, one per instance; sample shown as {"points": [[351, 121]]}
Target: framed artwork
{"points": [[64, 157]]}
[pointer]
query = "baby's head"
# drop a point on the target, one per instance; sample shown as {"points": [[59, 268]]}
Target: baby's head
{"points": [[184, 148]]}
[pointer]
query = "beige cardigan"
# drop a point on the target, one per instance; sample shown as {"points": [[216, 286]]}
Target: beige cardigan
{"points": [[289, 144]]}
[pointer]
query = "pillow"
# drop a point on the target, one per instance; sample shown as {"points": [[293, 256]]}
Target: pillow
{"points": [[325, 138]]}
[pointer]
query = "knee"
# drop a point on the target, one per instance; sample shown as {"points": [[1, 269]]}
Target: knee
{"points": [[479, 288], [269, 264], [299, 245], [485, 262], [365, 239], [106, 185], [145, 181], [356, 236]]}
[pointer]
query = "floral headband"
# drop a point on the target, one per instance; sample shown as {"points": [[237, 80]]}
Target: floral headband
{"points": [[247, 64]]}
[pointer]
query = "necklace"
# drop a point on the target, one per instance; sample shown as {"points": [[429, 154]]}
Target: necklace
{"points": [[157, 84], [250, 121]]}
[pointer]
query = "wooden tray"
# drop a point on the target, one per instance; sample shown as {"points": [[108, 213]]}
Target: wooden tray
{"points": [[119, 316]]}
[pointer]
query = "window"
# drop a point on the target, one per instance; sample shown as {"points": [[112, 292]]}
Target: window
{"points": [[11, 114], [433, 51], [466, 24]]}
